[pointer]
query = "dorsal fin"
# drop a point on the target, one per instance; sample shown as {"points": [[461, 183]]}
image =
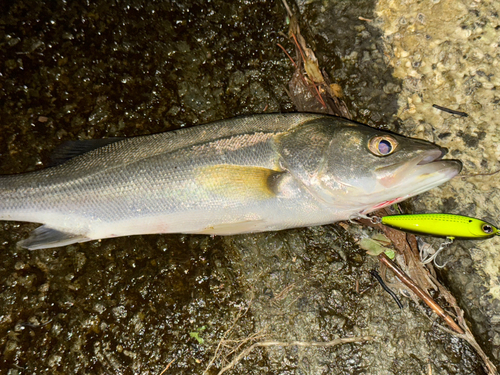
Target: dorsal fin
{"points": [[70, 149]]}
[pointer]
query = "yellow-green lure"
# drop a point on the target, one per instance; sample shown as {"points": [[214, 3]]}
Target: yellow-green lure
{"points": [[442, 225]]}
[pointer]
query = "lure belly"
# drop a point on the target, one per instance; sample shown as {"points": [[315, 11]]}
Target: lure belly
{"points": [[442, 225]]}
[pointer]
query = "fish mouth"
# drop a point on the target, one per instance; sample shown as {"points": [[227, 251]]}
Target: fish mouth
{"points": [[428, 162], [433, 155], [434, 173], [431, 164], [413, 177], [420, 167]]}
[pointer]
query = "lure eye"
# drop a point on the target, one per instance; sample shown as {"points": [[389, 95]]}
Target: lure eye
{"points": [[487, 228], [382, 145]]}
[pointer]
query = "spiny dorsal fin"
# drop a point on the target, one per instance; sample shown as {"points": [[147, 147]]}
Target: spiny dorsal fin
{"points": [[69, 150]]}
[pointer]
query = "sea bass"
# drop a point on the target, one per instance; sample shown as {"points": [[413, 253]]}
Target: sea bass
{"points": [[249, 174]]}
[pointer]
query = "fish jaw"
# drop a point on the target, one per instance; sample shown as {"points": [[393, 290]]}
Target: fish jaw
{"points": [[416, 178], [385, 185]]}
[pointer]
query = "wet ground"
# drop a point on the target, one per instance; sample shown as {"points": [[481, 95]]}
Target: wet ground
{"points": [[134, 305], [446, 53]]}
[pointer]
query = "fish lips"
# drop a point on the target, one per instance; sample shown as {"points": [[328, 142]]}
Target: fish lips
{"points": [[432, 159], [426, 171]]}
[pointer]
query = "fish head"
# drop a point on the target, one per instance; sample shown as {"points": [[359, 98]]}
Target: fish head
{"points": [[355, 167], [376, 168]]}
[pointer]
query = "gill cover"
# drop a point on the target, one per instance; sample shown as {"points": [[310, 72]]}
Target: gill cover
{"points": [[306, 152]]}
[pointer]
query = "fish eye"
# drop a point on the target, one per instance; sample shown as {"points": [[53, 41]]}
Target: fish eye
{"points": [[382, 145], [487, 228]]}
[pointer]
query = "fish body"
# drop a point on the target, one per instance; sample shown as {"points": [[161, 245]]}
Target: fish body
{"points": [[248, 174], [442, 225]]}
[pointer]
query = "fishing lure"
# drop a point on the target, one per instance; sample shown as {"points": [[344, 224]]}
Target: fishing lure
{"points": [[442, 225]]}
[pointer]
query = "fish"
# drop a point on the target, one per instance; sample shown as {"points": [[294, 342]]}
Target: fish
{"points": [[248, 174], [442, 225]]}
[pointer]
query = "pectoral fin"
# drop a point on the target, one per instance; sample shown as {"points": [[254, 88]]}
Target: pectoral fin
{"points": [[44, 238], [236, 181]]}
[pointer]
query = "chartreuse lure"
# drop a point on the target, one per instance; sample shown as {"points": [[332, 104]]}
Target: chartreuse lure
{"points": [[442, 225]]}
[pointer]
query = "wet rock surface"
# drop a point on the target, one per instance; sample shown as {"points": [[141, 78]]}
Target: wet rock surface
{"points": [[134, 305], [446, 54]]}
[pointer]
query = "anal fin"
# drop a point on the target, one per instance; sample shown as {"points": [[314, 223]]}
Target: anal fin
{"points": [[44, 237]]}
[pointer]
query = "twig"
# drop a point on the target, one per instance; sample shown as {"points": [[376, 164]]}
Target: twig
{"points": [[227, 333], [166, 368], [253, 337], [424, 296], [319, 97], [290, 14], [290, 57], [248, 350], [316, 94], [469, 337], [284, 292]]}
